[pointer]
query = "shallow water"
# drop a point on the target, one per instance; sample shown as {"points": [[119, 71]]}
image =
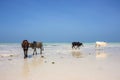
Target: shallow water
{"points": [[60, 62], [14, 49]]}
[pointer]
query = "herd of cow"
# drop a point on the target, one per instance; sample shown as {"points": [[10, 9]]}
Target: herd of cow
{"points": [[75, 45]]}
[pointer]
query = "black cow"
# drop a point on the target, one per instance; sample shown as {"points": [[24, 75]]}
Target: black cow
{"points": [[76, 45]]}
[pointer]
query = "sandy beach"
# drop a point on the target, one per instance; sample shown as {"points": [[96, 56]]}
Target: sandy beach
{"points": [[60, 62]]}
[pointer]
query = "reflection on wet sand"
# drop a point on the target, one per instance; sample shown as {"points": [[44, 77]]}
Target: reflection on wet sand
{"points": [[37, 61], [31, 64], [101, 54], [77, 54], [26, 69]]}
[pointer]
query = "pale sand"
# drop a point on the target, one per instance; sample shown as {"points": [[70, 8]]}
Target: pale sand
{"points": [[74, 65]]}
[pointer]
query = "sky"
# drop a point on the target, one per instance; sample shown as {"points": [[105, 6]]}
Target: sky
{"points": [[60, 20]]}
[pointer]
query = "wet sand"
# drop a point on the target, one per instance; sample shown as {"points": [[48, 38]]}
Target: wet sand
{"points": [[71, 65]]}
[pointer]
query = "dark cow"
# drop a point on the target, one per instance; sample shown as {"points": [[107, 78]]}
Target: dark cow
{"points": [[76, 45], [25, 46], [35, 45]]}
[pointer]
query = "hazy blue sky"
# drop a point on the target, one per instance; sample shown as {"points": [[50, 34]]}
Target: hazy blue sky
{"points": [[60, 20]]}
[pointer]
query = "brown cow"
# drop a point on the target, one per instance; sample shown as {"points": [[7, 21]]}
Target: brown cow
{"points": [[35, 45], [25, 46]]}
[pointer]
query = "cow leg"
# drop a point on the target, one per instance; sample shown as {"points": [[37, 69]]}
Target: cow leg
{"points": [[78, 47], [40, 50], [73, 47], [34, 51], [25, 54]]}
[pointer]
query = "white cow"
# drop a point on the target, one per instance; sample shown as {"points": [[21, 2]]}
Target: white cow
{"points": [[100, 44]]}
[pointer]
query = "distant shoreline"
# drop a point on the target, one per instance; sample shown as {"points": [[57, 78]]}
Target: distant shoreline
{"points": [[49, 42]]}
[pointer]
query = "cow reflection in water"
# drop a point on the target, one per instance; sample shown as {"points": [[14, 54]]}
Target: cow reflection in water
{"points": [[26, 70], [100, 54], [30, 65], [77, 54], [37, 61]]}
